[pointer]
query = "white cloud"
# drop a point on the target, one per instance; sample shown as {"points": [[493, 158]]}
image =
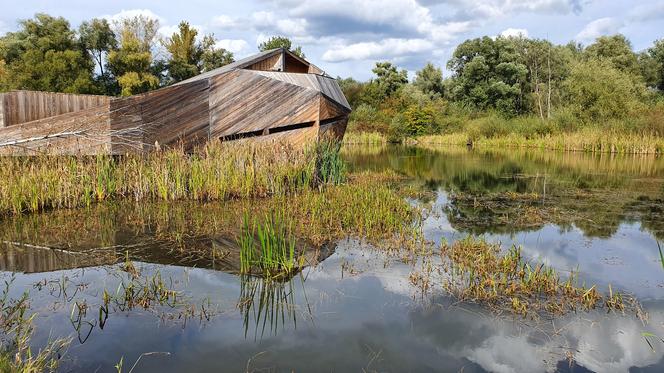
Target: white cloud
{"points": [[239, 47], [282, 25], [130, 13], [514, 33], [502, 8], [3, 28], [226, 22], [599, 27], [377, 50]]}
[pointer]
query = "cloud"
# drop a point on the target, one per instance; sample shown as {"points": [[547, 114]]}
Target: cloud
{"points": [[264, 20], [599, 27], [649, 12], [514, 33], [226, 22], [239, 47], [377, 50], [130, 13]]}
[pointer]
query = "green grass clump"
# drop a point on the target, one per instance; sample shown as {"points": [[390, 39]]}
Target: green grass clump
{"points": [[275, 255], [480, 272], [218, 171]]}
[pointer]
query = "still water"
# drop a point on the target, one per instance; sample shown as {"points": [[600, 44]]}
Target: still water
{"points": [[357, 310]]}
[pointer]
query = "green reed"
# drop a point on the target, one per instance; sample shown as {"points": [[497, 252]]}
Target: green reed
{"points": [[330, 167], [276, 245], [215, 172]]}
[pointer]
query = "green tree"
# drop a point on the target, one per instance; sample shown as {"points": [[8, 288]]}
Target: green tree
{"points": [[45, 55], [132, 63], [597, 91], [185, 53], [280, 42], [213, 57], [419, 119], [656, 52], [388, 78], [430, 80], [98, 39], [617, 50], [489, 75]]}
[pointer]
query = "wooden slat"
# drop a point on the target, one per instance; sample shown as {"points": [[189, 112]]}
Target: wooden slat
{"points": [[26, 106]]}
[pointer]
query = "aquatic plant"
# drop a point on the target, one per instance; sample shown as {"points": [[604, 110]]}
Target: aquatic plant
{"points": [[479, 272], [276, 245], [16, 328], [330, 167]]}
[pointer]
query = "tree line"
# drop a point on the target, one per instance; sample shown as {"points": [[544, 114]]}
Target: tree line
{"points": [[556, 87], [124, 57]]}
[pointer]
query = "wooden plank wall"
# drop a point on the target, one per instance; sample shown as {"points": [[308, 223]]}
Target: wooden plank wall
{"points": [[243, 101], [26, 106], [82, 132], [272, 63]]}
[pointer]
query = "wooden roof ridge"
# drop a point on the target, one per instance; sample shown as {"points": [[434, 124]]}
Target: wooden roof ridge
{"points": [[247, 61]]}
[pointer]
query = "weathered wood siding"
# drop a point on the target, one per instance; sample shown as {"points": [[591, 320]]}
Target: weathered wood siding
{"points": [[272, 63], [26, 106], [81, 132], [242, 101]]}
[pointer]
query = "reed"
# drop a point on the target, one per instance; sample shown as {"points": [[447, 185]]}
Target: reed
{"points": [[589, 140], [364, 138], [16, 329], [218, 171], [276, 255]]}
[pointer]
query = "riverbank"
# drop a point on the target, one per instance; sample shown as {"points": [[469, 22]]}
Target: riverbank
{"points": [[588, 140]]}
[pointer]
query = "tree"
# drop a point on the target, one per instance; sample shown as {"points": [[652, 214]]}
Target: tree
{"points": [[45, 55], [617, 50], [656, 52], [280, 42], [597, 91], [430, 80], [132, 63], [98, 39], [388, 78], [489, 75], [185, 53], [213, 57]]}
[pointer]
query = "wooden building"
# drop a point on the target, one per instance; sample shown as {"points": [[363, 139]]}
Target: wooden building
{"points": [[271, 96]]}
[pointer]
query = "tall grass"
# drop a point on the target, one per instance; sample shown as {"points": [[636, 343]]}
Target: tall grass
{"points": [[275, 255], [216, 172]]}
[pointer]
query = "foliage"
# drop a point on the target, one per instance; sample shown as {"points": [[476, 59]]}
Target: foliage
{"points": [[132, 62], [597, 91], [430, 80], [45, 55], [213, 57], [280, 42], [616, 50], [388, 78]]}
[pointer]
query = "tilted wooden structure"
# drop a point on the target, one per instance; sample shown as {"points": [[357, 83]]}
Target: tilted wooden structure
{"points": [[273, 95]]}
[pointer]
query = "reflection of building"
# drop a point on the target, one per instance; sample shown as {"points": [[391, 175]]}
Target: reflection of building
{"points": [[33, 259], [271, 95]]}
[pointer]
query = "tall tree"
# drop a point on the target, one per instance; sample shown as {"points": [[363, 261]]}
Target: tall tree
{"points": [[656, 52], [280, 42], [617, 50], [132, 63], [185, 53], [430, 80], [212, 56], [489, 75], [388, 78], [45, 55], [98, 39]]}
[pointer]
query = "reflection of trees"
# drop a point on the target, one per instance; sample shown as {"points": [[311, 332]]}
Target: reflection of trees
{"points": [[490, 190], [268, 305]]}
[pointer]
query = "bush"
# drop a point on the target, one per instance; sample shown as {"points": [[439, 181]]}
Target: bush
{"points": [[419, 120]]}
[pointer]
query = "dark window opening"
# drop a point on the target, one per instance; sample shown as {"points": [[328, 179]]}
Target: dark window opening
{"points": [[242, 135], [292, 127], [331, 120]]}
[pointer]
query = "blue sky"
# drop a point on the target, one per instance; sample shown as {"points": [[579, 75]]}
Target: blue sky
{"points": [[346, 37]]}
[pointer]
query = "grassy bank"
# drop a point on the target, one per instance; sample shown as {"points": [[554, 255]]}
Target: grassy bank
{"points": [[216, 172], [587, 140]]}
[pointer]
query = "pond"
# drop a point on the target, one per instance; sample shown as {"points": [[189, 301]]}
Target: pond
{"points": [[358, 308]]}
